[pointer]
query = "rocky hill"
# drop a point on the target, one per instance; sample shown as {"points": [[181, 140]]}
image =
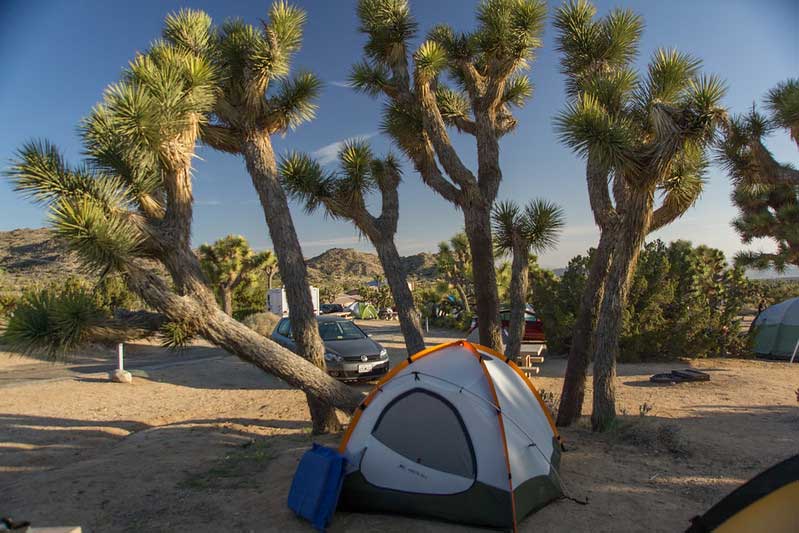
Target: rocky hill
{"points": [[349, 264], [31, 255]]}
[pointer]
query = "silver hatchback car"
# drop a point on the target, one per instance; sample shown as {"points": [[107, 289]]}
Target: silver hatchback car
{"points": [[350, 355]]}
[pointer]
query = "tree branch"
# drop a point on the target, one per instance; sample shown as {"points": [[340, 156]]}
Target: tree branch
{"points": [[437, 132], [221, 138], [597, 178], [771, 171]]}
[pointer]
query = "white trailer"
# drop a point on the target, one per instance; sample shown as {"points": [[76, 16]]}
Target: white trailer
{"points": [[276, 301]]}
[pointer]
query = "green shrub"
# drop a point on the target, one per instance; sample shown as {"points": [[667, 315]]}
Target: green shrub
{"points": [[683, 301], [557, 300]]}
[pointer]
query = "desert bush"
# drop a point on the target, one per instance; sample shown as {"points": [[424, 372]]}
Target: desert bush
{"points": [[551, 401], [683, 301], [557, 300], [262, 323]]}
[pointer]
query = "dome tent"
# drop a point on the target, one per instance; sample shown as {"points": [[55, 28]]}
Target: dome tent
{"points": [[455, 432], [363, 310], [777, 329]]}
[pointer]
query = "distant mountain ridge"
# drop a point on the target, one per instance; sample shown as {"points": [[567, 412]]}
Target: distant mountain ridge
{"points": [[30, 255], [351, 264], [35, 255]]}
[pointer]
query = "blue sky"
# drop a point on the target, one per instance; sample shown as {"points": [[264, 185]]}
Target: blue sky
{"points": [[57, 56]]}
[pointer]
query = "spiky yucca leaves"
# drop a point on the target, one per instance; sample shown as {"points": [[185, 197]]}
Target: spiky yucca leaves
{"points": [[249, 60], [535, 227], [52, 321], [140, 141], [650, 131], [229, 263], [177, 335], [783, 103], [344, 195]]}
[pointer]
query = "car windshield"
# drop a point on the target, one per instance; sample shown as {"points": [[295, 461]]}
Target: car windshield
{"points": [[339, 331]]}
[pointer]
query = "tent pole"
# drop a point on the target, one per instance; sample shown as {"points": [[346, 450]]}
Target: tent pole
{"points": [[795, 348]]}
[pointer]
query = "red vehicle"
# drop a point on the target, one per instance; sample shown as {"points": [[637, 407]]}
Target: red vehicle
{"points": [[533, 327]]}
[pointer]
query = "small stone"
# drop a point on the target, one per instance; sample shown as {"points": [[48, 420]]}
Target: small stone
{"points": [[121, 376]]}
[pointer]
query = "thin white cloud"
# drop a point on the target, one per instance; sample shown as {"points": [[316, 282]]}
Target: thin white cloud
{"points": [[329, 152], [344, 84], [207, 202]]}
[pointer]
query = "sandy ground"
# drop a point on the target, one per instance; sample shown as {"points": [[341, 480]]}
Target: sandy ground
{"points": [[204, 442]]}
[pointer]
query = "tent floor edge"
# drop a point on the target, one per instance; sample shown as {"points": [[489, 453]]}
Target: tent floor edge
{"points": [[481, 505]]}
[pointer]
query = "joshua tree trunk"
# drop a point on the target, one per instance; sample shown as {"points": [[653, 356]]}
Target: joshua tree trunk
{"points": [[478, 229], [261, 164], [518, 293], [227, 300], [573, 394], [398, 283], [627, 242]]}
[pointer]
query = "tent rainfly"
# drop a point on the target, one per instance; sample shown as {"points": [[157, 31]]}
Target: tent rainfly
{"points": [[455, 432], [767, 502], [363, 310], [777, 330]]}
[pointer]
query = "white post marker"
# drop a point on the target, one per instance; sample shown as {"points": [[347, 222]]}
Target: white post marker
{"points": [[795, 349], [120, 375]]}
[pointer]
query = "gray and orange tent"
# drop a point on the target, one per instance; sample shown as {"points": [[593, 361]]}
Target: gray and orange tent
{"points": [[456, 432], [768, 502]]}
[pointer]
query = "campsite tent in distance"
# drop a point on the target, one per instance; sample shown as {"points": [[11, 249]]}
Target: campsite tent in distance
{"points": [[363, 311], [777, 330]]}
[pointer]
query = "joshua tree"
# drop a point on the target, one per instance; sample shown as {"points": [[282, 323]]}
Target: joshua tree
{"points": [[519, 232], [228, 263], [641, 136], [271, 269], [765, 191], [246, 115], [343, 195], [133, 202], [488, 69], [454, 264]]}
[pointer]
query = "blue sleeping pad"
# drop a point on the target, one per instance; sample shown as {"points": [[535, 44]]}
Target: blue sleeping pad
{"points": [[316, 486]]}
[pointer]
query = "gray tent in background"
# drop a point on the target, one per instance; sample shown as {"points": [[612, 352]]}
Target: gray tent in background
{"points": [[777, 330]]}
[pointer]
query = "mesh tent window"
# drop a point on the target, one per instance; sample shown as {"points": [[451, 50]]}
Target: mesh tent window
{"points": [[427, 429]]}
